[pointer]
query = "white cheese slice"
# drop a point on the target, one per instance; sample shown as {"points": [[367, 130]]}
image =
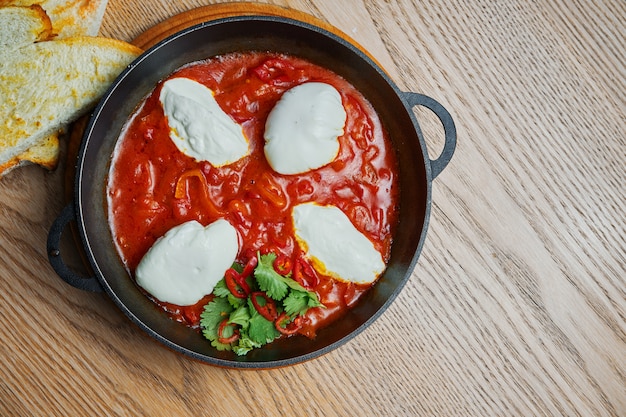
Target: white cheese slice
{"points": [[334, 246], [185, 264], [302, 130], [198, 125]]}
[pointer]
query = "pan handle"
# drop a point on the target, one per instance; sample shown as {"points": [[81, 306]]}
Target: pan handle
{"points": [[54, 253], [437, 165]]}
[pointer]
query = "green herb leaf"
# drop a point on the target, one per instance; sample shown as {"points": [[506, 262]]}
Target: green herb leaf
{"points": [[296, 303], [235, 302], [220, 346], [314, 301], [293, 284], [214, 313], [240, 316], [227, 332], [220, 289], [269, 280], [299, 302], [254, 330], [260, 330], [245, 345]]}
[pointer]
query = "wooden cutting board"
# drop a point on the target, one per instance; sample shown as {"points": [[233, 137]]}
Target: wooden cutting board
{"points": [[217, 11]]}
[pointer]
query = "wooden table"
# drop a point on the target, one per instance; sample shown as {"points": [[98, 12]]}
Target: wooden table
{"points": [[517, 306]]}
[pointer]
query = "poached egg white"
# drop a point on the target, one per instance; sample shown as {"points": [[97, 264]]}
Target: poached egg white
{"points": [[302, 130], [185, 264], [198, 126], [334, 246]]}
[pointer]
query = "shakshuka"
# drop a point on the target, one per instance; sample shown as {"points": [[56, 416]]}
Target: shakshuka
{"points": [[244, 172]]}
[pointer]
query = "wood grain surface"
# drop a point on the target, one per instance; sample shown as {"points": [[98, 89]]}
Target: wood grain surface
{"points": [[517, 306]]}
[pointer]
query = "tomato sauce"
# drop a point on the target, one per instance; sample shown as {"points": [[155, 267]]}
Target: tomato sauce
{"points": [[154, 187]]}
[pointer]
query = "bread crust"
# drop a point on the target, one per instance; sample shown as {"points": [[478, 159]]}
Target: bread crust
{"points": [[45, 86], [44, 154], [69, 17], [22, 25]]}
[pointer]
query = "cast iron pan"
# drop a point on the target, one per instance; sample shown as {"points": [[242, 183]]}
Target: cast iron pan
{"points": [[222, 36]]}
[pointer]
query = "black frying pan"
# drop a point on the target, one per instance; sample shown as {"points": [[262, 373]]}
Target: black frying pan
{"points": [[394, 107]]}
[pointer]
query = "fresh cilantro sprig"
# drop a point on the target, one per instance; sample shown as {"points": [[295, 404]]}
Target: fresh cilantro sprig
{"points": [[275, 285], [254, 330], [299, 302], [214, 313]]}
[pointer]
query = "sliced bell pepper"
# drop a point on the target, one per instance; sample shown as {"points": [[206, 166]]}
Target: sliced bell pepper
{"points": [[181, 190], [272, 191]]}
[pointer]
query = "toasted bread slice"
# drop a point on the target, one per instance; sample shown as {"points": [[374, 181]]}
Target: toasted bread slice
{"points": [[69, 17], [45, 153], [45, 86], [23, 22], [23, 25]]}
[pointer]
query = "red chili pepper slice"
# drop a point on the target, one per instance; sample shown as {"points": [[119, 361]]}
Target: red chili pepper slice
{"points": [[249, 268], [304, 274], [291, 327], [236, 284], [220, 333], [268, 310], [282, 264]]}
